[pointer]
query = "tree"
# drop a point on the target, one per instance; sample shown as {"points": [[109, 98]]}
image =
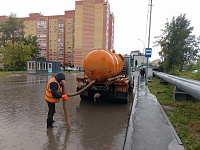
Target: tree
{"points": [[15, 55], [11, 29], [178, 46], [32, 42]]}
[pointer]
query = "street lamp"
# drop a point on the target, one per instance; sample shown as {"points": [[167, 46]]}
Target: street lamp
{"points": [[143, 50]]}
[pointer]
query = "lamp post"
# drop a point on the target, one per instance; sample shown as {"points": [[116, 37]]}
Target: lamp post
{"points": [[149, 40], [143, 50]]}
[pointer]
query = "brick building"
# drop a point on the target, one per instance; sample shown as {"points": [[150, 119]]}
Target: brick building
{"points": [[70, 37]]}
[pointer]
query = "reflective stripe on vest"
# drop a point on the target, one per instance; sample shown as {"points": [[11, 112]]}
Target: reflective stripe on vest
{"points": [[48, 96]]}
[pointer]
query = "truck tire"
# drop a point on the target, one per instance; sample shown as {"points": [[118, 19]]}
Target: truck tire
{"points": [[83, 97]]}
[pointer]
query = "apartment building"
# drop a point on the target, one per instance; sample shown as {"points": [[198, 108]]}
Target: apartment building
{"points": [[94, 28], [54, 34], [70, 37]]}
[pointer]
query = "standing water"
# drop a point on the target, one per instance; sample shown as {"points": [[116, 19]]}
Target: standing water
{"points": [[23, 113]]}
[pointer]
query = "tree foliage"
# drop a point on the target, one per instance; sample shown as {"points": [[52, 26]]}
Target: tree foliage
{"points": [[178, 46], [11, 29], [16, 49], [15, 55], [32, 42]]}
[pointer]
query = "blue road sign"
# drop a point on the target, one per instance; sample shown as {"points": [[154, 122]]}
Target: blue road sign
{"points": [[148, 52]]}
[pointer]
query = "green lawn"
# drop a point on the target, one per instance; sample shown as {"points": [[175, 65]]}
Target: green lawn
{"points": [[6, 73], [184, 115]]}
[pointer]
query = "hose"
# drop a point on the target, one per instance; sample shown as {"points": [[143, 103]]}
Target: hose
{"points": [[68, 123], [82, 90]]}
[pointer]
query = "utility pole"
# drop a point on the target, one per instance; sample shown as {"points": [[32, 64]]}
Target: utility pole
{"points": [[149, 41], [143, 50]]}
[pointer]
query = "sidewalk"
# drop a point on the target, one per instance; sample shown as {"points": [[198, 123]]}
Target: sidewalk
{"points": [[149, 128]]}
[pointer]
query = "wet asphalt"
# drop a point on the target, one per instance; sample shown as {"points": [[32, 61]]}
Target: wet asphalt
{"points": [[149, 128], [23, 113], [139, 125]]}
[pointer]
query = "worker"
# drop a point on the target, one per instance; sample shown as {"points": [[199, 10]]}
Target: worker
{"points": [[142, 72], [53, 94]]}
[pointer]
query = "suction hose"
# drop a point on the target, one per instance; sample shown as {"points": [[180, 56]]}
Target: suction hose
{"points": [[68, 123], [82, 90]]}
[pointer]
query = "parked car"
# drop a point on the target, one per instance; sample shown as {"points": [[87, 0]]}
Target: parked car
{"points": [[81, 69], [194, 71]]}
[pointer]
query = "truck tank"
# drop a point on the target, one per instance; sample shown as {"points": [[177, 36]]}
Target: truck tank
{"points": [[102, 65], [107, 76]]}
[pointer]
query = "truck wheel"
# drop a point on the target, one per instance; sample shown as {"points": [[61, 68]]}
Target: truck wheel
{"points": [[83, 97], [90, 96]]}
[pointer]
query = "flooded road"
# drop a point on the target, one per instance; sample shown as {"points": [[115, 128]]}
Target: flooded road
{"points": [[23, 114]]}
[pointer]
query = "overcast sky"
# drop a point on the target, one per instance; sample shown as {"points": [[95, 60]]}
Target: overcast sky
{"points": [[131, 18]]}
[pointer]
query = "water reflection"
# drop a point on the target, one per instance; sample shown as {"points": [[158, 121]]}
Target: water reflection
{"points": [[56, 138], [103, 125], [23, 112]]}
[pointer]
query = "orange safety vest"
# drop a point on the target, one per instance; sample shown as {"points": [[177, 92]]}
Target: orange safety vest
{"points": [[48, 96]]}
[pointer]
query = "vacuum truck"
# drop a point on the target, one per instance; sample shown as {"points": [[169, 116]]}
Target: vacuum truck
{"points": [[110, 73]]}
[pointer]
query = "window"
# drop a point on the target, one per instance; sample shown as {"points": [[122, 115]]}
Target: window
{"points": [[43, 44], [60, 25], [60, 40], [50, 65], [41, 31], [42, 35], [60, 30], [39, 66], [60, 20], [41, 26], [43, 22], [44, 66], [60, 44], [31, 65]]}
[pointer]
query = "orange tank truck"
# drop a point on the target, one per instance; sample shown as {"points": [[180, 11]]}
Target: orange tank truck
{"points": [[112, 73], [102, 65]]}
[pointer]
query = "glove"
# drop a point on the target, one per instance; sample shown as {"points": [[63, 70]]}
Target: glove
{"points": [[65, 97]]}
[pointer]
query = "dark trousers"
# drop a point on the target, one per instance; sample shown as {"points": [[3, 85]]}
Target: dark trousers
{"points": [[51, 112]]}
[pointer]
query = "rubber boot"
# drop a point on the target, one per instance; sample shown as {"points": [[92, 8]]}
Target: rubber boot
{"points": [[49, 123]]}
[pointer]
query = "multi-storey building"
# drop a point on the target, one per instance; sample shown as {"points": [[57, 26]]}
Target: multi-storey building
{"points": [[94, 28], [54, 35], [70, 37]]}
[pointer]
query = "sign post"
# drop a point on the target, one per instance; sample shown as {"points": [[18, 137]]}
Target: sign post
{"points": [[148, 52]]}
